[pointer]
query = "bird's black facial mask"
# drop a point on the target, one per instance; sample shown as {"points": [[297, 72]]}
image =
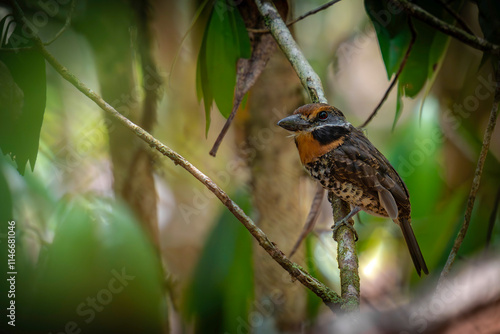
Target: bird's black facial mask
{"points": [[328, 133]]}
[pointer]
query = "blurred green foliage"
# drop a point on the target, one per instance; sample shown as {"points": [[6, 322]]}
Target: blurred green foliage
{"points": [[416, 156], [220, 294], [100, 274]]}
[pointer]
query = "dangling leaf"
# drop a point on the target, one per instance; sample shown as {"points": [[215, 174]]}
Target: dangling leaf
{"points": [[203, 85], [22, 105], [394, 34], [224, 42], [222, 285], [249, 70], [22, 94]]}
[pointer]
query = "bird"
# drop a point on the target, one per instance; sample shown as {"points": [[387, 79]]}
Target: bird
{"points": [[345, 162]]}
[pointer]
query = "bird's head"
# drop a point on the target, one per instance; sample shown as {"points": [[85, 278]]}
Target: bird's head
{"points": [[318, 128]]}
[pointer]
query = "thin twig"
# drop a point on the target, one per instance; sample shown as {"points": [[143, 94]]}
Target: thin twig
{"points": [[349, 276], [456, 17], [239, 93], [66, 25], [396, 77], [493, 216], [448, 29], [475, 182], [225, 128], [328, 296], [301, 17]]}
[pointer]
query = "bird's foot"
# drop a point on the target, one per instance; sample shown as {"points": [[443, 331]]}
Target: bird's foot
{"points": [[344, 222]]}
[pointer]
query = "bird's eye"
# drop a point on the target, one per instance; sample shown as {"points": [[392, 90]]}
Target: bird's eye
{"points": [[323, 115]]}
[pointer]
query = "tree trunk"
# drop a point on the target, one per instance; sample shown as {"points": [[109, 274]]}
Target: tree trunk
{"points": [[275, 174]]}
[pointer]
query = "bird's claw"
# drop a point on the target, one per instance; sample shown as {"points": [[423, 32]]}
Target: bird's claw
{"points": [[335, 227]]}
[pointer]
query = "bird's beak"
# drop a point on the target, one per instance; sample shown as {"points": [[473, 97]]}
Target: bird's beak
{"points": [[294, 123]]}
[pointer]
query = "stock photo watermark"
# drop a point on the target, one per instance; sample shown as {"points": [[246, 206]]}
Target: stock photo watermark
{"points": [[11, 273]]}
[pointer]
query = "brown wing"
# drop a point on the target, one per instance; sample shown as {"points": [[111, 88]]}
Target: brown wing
{"points": [[359, 162]]}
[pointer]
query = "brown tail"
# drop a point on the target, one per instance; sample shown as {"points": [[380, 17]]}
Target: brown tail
{"points": [[411, 242]]}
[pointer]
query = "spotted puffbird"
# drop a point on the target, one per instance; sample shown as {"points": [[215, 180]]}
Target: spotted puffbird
{"points": [[345, 162]]}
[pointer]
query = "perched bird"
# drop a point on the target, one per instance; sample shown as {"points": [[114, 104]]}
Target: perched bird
{"points": [[345, 162]]}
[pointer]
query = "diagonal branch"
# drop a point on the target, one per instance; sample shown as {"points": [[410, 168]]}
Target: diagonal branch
{"points": [[329, 297], [456, 17], [475, 182], [420, 14], [312, 83]]}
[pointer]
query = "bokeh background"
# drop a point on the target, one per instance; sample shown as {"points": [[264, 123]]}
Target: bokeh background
{"points": [[113, 237]]}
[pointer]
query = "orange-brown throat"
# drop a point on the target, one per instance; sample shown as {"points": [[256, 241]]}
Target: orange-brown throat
{"points": [[310, 149]]}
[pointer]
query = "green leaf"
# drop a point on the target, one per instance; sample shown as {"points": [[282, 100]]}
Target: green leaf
{"points": [[21, 117], [436, 61], [392, 31], [394, 35], [221, 290], [428, 51], [224, 42], [22, 95], [414, 75], [202, 85]]}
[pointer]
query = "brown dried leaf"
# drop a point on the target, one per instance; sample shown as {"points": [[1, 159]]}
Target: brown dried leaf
{"points": [[249, 70]]}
